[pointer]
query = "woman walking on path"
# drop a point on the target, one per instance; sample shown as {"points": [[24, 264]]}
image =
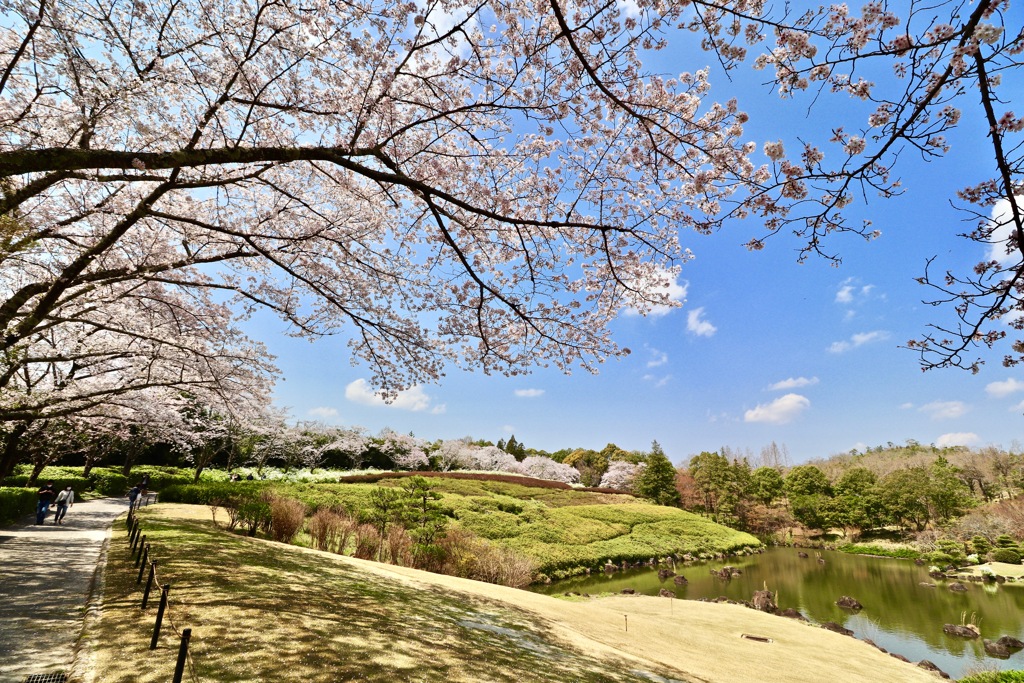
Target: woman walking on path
{"points": [[65, 499]]}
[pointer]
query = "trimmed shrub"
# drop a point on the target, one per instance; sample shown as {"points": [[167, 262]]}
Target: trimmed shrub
{"points": [[108, 483], [16, 503], [1006, 541], [939, 558], [1006, 555], [981, 545], [59, 476], [160, 478]]}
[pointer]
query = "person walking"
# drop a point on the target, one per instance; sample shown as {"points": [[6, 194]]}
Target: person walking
{"points": [[46, 495], [133, 495], [65, 499]]}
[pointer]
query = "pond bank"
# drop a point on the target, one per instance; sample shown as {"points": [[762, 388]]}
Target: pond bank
{"points": [[904, 610]]}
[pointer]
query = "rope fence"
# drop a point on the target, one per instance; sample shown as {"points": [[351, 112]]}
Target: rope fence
{"points": [[140, 550]]}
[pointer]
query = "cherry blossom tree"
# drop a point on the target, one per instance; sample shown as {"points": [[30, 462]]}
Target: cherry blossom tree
{"points": [[493, 459], [621, 475], [405, 451], [543, 467], [479, 185], [452, 454]]}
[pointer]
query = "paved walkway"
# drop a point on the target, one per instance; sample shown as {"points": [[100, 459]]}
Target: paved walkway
{"points": [[47, 575]]}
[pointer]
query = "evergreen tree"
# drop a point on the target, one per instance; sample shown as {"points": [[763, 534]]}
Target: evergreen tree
{"points": [[658, 480]]}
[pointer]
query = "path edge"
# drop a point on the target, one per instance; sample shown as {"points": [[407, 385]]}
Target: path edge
{"points": [[83, 669]]}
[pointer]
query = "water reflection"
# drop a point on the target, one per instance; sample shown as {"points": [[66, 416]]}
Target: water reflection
{"points": [[901, 612]]}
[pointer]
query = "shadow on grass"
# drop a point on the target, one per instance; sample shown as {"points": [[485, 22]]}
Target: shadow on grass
{"points": [[267, 612]]}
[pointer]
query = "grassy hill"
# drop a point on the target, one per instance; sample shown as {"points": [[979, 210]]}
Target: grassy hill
{"points": [[262, 612], [563, 530]]}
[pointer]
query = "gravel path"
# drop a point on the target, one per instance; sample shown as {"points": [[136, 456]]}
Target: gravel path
{"points": [[47, 579]]}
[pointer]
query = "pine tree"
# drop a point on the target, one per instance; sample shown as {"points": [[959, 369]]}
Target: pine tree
{"points": [[658, 480]]}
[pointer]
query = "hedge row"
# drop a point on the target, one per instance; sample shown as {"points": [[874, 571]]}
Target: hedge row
{"points": [[105, 481], [16, 503]]}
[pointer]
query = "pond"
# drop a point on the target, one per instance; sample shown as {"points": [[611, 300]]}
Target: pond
{"points": [[899, 613]]}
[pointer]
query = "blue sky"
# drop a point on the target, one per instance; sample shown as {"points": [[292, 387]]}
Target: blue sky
{"points": [[763, 349]]}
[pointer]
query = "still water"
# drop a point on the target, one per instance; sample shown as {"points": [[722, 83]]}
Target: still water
{"points": [[899, 613]]}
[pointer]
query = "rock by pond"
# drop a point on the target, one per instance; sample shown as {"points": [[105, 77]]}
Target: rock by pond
{"points": [[961, 630], [833, 626], [996, 649], [847, 602], [764, 601], [1011, 642]]}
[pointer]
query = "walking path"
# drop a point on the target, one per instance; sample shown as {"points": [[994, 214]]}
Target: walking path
{"points": [[47, 577]]}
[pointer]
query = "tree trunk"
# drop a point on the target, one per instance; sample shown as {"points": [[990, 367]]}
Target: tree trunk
{"points": [[131, 454], [37, 469], [10, 455]]}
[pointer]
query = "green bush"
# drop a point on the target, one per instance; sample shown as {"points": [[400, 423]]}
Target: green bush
{"points": [[212, 492], [61, 477], [880, 551], [1006, 555], [1006, 541], [939, 558], [981, 545], [109, 483], [161, 477], [995, 677], [16, 503]]}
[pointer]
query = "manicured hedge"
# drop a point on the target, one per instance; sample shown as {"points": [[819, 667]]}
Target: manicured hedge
{"points": [[16, 503], [1007, 555]]}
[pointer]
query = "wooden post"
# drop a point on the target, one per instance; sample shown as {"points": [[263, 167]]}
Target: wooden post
{"points": [[135, 540], [149, 583], [179, 668], [159, 615], [142, 545], [141, 563]]}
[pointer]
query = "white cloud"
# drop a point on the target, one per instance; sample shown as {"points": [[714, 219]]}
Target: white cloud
{"points": [[658, 381], [694, 323], [859, 339], [793, 383], [657, 358], [957, 439], [508, 429], [629, 8], [780, 411], [850, 292], [1003, 220], [674, 290], [439, 409], [324, 412], [1019, 407], [906, 406], [1001, 389], [845, 294], [413, 399], [944, 410], [529, 393]]}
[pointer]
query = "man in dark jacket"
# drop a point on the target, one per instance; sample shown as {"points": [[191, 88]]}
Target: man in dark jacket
{"points": [[46, 494]]}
